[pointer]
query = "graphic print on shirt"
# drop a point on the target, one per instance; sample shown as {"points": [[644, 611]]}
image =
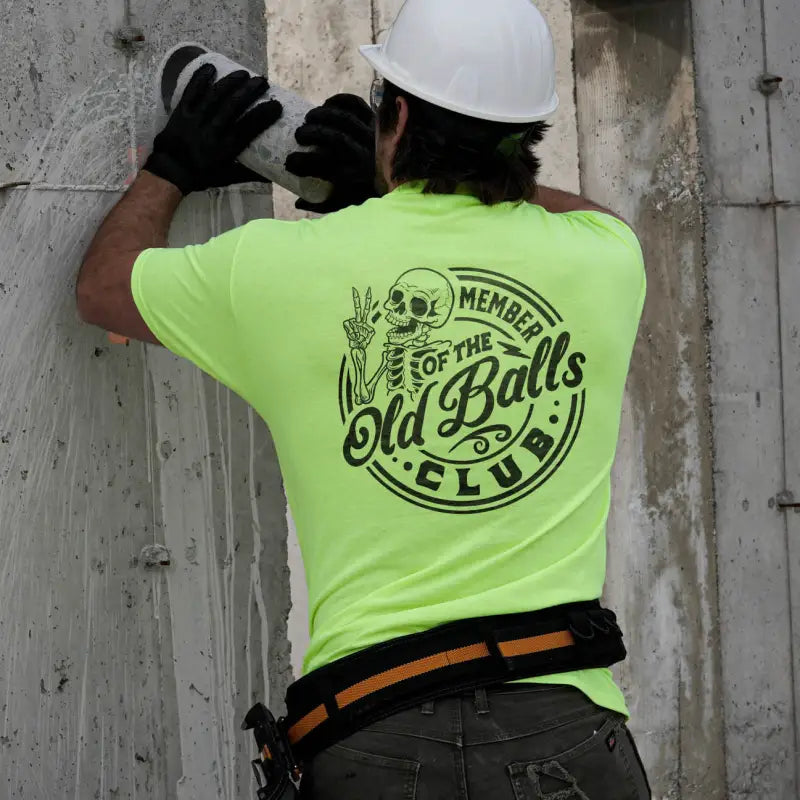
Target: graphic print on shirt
{"points": [[473, 398]]}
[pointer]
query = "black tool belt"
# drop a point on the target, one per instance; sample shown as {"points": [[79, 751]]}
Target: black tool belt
{"points": [[340, 698]]}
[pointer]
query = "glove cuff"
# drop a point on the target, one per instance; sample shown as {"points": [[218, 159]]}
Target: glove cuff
{"points": [[163, 166]]}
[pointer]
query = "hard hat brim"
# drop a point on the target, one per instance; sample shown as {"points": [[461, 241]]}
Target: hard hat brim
{"points": [[375, 55]]}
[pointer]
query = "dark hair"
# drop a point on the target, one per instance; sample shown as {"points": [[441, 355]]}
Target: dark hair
{"points": [[495, 160]]}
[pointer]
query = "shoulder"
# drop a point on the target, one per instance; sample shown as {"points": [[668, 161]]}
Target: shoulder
{"points": [[328, 224], [603, 226], [601, 245]]}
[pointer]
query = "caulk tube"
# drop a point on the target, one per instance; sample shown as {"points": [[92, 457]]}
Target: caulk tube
{"points": [[267, 154]]}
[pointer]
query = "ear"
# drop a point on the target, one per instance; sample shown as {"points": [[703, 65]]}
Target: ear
{"points": [[402, 120]]}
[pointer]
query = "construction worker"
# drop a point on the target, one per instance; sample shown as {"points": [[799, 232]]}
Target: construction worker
{"points": [[441, 362]]}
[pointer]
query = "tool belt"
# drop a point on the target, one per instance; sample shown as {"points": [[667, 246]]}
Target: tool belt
{"points": [[337, 700]]}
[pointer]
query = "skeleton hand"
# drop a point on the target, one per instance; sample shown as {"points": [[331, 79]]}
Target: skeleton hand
{"points": [[359, 331], [359, 335]]}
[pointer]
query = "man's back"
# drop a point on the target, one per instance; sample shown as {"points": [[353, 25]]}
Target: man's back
{"points": [[443, 381]]}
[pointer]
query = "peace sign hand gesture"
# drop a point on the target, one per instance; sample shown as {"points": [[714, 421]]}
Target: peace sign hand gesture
{"points": [[359, 331]]}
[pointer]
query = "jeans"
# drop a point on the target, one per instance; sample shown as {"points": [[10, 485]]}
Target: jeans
{"points": [[511, 742]]}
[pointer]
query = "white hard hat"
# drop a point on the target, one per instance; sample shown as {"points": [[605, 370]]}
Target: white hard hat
{"points": [[490, 59]]}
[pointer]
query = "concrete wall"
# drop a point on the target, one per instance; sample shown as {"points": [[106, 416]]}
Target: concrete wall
{"points": [[118, 679], [752, 159], [639, 155]]}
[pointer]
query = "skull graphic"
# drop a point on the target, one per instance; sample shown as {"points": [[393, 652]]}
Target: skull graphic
{"points": [[421, 299]]}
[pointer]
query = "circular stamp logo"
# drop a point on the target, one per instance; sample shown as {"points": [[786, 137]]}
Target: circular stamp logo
{"points": [[471, 399]]}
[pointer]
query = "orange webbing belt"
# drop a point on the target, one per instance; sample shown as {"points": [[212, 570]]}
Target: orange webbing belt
{"points": [[413, 669]]}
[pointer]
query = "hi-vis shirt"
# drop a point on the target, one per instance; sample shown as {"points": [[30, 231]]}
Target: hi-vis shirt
{"points": [[443, 381]]}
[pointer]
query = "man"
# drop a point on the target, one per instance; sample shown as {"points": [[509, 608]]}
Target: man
{"points": [[442, 369]]}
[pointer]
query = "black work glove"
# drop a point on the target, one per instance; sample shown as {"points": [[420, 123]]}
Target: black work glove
{"points": [[342, 132], [208, 130]]}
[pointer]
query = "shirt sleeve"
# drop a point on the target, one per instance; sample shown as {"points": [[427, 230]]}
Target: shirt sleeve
{"points": [[614, 232], [184, 296], [610, 225]]}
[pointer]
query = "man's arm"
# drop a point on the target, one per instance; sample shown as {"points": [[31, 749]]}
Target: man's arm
{"points": [[558, 202], [197, 150], [139, 221]]}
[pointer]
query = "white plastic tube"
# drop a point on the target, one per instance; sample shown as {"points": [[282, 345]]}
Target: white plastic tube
{"points": [[267, 154]]}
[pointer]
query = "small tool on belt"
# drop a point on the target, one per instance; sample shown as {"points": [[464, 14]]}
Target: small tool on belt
{"points": [[275, 770]]}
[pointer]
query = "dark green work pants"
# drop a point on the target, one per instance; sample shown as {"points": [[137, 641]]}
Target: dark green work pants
{"points": [[520, 742]]}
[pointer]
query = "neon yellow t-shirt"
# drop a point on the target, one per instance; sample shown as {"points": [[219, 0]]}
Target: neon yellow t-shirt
{"points": [[443, 381]]}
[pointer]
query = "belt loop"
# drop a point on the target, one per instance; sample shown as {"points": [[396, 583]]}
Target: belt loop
{"points": [[492, 637], [327, 694], [427, 707], [481, 700]]}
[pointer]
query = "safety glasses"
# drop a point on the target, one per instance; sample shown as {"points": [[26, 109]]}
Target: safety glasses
{"points": [[376, 94]]}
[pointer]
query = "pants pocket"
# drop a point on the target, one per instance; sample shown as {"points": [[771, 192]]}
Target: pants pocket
{"points": [[341, 772], [604, 766], [638, 767]]}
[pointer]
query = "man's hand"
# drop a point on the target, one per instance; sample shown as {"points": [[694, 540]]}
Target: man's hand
{"points": [[342, 132], [208, 130]]}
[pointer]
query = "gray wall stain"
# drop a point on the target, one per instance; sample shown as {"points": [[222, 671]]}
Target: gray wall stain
{"points": [[118, 678], [749, 145], [635, 89]]}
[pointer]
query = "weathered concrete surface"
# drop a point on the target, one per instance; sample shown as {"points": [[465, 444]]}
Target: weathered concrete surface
{"points": [[83, 628], [559, 151], [751, 537], [782, 58], [732, 115], [45, 52], [788, 228], [750, 148], [119, 680], [637, 137], [312, 48], [219, 494]]}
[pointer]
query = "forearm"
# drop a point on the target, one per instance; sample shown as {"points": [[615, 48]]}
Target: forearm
{"points": [[557, 201], [139, 221]]}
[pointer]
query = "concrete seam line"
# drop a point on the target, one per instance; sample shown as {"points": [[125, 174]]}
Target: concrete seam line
{"points": [[66, 187], [58, 187]]}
